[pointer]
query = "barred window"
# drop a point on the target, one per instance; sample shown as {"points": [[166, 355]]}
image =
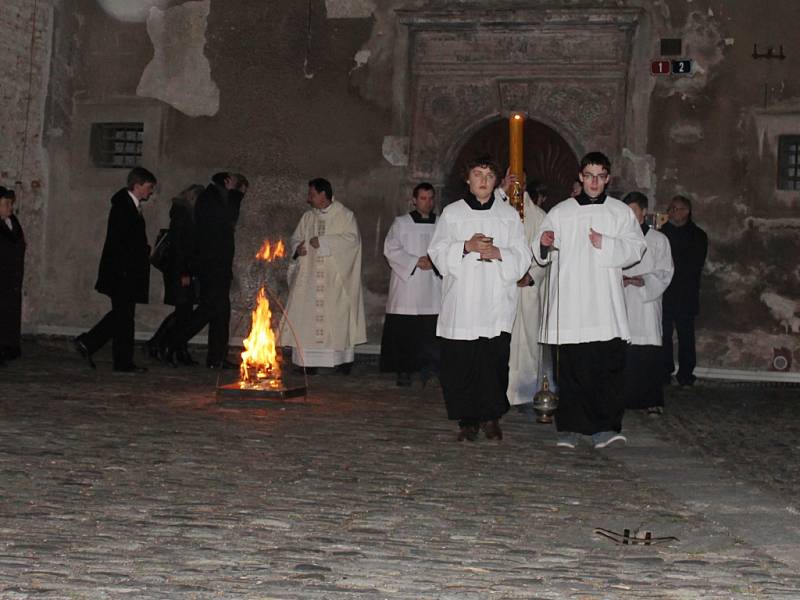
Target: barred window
{"points": [[117, 145], [789, 162]]}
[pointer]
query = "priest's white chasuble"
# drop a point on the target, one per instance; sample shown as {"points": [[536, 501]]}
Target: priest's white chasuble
{"points": [[324, 317]]}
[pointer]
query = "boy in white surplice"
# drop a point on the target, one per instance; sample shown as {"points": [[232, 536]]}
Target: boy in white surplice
{"points": [[479, 248], [589, 239], [408, 343]]}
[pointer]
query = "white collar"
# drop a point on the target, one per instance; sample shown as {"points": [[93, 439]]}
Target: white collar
{"points": [[134, 198]]}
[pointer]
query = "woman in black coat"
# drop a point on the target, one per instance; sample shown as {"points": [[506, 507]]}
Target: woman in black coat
{"points": [[179, 277], [12, 265]]}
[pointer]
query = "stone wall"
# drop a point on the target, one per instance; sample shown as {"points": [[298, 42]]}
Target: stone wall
{"points": [[286, 91]]}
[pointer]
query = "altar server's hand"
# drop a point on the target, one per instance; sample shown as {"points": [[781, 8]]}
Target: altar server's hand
{"points": [[314, 241], [548, 237], [478, 243], [301, 249], [596, 238], [424, 263], [492, 253], [526, 280]]}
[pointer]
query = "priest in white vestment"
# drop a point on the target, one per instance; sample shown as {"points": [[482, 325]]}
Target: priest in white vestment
{"points": [[529, 359], [644, 284], [324, 317], [588, 240], [409, 342], [479, 248]]}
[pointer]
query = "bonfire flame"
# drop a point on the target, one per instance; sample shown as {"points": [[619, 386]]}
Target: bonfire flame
{"points": [[260, 357], [269, 252]]}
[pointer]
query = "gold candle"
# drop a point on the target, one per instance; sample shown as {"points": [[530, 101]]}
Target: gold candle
{"points": [[516, 125]]}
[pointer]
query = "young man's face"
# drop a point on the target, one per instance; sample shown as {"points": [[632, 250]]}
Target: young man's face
{"points": [[481, 182], [6, 207], [594, 179], [424, 201], [317, 199], [638, 211], [143, 191]]}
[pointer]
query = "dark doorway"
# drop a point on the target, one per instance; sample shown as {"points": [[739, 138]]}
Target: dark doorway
{"points": [[548, 158]]}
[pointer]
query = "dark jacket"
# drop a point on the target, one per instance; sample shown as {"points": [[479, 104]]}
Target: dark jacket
{"points": [[181, 247], [215, 215], [689, 245], [12, 267], [124, 271]]}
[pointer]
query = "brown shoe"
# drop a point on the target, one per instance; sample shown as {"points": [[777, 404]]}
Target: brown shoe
{"points": [[468, 432], [492, 430]]}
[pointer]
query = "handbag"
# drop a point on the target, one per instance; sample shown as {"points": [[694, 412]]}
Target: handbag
{"points": [[159, 258]]}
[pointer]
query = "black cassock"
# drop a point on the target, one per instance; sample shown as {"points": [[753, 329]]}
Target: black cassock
{"points": [[12, 267]]}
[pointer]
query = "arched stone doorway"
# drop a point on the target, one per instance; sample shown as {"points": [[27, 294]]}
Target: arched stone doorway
{"points": [[548, 158]]}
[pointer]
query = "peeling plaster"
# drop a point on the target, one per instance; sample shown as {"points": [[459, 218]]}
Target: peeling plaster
{"points": [[643, 169], [349, 9], [684, 133], [704, 43], [180, 73], [395, 150], [131, 11], [785, 310], [361, 58]]}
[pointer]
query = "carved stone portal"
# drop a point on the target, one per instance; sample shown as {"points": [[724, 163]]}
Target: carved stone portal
{"points": [[566, 68]]}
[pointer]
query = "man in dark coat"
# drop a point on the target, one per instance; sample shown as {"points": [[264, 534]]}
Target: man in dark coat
{"points": [[681, 302], [216, 213], [124, 273], [12, 264]]}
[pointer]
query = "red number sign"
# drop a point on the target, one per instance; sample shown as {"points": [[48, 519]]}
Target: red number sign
{"points": [[660, 67]]}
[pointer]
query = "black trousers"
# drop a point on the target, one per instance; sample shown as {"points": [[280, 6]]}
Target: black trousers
{"points": [[474, 378], [409, 344], [213, 310], [177, 320], [118, 326], [644, 383], [683, 324], [591, 382]]}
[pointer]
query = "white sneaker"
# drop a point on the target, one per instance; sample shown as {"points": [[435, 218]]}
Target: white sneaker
{"points": [[567, 439], [606, 438]]}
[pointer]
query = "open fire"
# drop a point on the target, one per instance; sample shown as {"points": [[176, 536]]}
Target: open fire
{"points": [[260, 357]]}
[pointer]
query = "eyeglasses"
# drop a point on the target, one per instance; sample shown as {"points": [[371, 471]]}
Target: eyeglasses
{"points": [[677, 208], [593, 177]]}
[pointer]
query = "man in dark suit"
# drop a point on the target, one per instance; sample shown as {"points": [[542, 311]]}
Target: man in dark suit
{"points": [[124, 273], [681, 301], [216, 213]]}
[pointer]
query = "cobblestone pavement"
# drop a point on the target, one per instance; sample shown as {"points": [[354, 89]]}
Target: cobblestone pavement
{"points": [[142, 486]]}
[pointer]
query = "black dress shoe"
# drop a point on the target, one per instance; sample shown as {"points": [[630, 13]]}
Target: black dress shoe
{"points": [[223, 364], [344, 368], [81, 349], [468, 432], [492, 430], [184, 357], [403, 379], [130, 369], [297, 370]]}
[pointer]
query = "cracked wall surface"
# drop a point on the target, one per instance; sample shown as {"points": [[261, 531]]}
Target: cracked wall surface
{"points": [[285, 91], [180, 73]]}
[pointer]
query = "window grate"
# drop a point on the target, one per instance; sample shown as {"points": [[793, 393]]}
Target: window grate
{"points": [[789, 162], [117, 145]]}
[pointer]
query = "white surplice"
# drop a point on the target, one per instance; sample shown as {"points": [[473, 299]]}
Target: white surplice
{"points": [[585, 301], [644, 303], [412, 291], [527, 359], [479, 298], [324, 317]]}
